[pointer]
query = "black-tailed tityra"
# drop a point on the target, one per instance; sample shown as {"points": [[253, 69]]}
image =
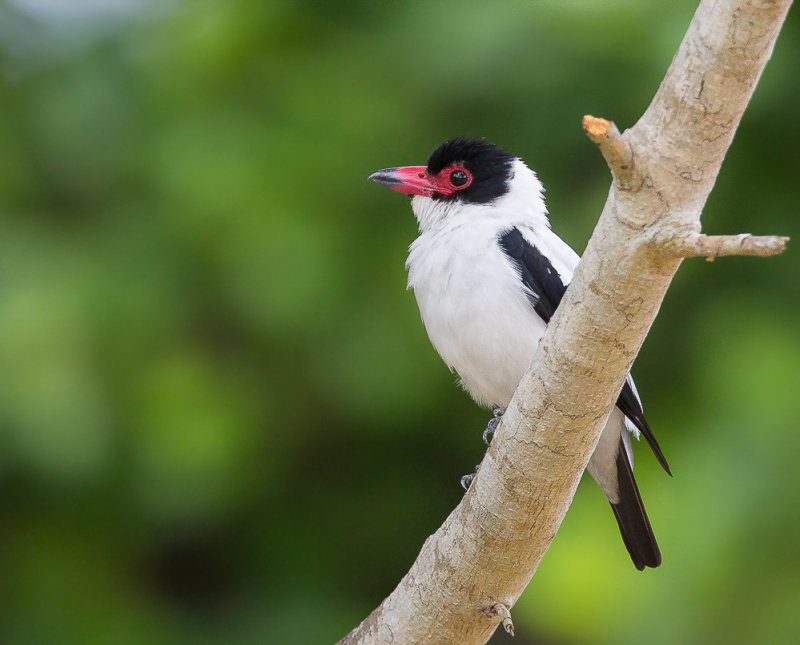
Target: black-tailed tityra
{"points": [[488, 274]]}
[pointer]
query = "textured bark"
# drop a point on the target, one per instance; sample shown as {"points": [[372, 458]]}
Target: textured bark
{"points": [[663, 170]]}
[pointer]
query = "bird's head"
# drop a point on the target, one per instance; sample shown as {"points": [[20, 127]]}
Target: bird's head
{"points": [[464, 173]]}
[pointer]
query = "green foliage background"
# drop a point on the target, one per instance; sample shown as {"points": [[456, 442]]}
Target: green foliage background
{"points": [[220, 417]]}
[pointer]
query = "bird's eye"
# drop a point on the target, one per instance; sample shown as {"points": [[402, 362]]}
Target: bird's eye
{"points": [[459, 177]]}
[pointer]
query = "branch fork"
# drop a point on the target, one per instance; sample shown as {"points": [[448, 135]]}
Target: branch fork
{"points": [[619, 157]]}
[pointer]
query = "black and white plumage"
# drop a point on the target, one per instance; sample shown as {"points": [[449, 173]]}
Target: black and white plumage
{"points": [[488, 273]]}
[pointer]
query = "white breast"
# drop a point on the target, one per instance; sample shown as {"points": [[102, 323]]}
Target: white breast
{"points": [[476, 312]]}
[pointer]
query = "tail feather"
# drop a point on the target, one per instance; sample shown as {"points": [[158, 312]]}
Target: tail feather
{"points": [[637, 534]]}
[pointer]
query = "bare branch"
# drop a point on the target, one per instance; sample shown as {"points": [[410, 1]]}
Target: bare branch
{"points": [[615, 149], [714, 246], [490, 545]]}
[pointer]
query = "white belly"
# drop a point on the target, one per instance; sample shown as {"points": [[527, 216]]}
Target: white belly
{"points": [[475, 310]]}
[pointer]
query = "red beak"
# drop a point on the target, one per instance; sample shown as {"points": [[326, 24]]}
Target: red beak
{"points": [[409, 180]]}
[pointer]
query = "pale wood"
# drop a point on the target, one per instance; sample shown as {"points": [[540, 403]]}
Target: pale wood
{"points": [[715, 246], [489, 547]]}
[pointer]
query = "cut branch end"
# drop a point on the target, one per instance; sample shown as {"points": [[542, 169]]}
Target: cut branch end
{"points": [[499, 609], [613, 146]]}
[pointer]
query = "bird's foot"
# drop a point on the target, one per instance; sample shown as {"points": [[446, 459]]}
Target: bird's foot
{"points": [[466, 480], [497, 414]]}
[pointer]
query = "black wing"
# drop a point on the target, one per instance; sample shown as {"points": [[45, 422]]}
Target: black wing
{"points": [[539, 276], [546, 289]]}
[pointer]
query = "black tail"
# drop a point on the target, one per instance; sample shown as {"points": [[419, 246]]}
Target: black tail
{"points": [[632, 518]]}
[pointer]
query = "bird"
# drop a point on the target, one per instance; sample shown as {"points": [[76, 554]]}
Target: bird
{"points": [[488, 273]]}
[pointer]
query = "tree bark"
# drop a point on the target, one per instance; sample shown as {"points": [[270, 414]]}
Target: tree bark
{"points": [[472, 570]]}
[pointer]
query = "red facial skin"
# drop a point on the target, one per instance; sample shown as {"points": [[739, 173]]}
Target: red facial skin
{"points": [[415, 180]]}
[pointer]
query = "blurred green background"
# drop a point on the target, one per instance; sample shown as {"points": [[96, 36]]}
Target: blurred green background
{"points": [[220, 418]]}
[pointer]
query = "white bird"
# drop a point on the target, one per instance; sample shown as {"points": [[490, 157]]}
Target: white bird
{"points": [[488, 273]]}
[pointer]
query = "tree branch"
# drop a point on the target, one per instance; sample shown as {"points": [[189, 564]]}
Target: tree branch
{"points": [[714, 246], [664, 167], [612, 145]]}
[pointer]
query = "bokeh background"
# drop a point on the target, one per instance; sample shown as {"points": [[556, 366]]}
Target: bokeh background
{"points": [[220, 418]]}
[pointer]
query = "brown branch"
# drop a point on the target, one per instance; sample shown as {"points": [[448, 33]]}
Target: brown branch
{"points": [[490, 545], [698, 245]]}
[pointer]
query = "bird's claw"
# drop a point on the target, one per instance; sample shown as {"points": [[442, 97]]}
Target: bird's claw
{"points": [[497, 413], [466, 480], [490, 428]]}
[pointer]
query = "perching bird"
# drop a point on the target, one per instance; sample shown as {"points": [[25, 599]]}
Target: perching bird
{"points": [[488, 273]]}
